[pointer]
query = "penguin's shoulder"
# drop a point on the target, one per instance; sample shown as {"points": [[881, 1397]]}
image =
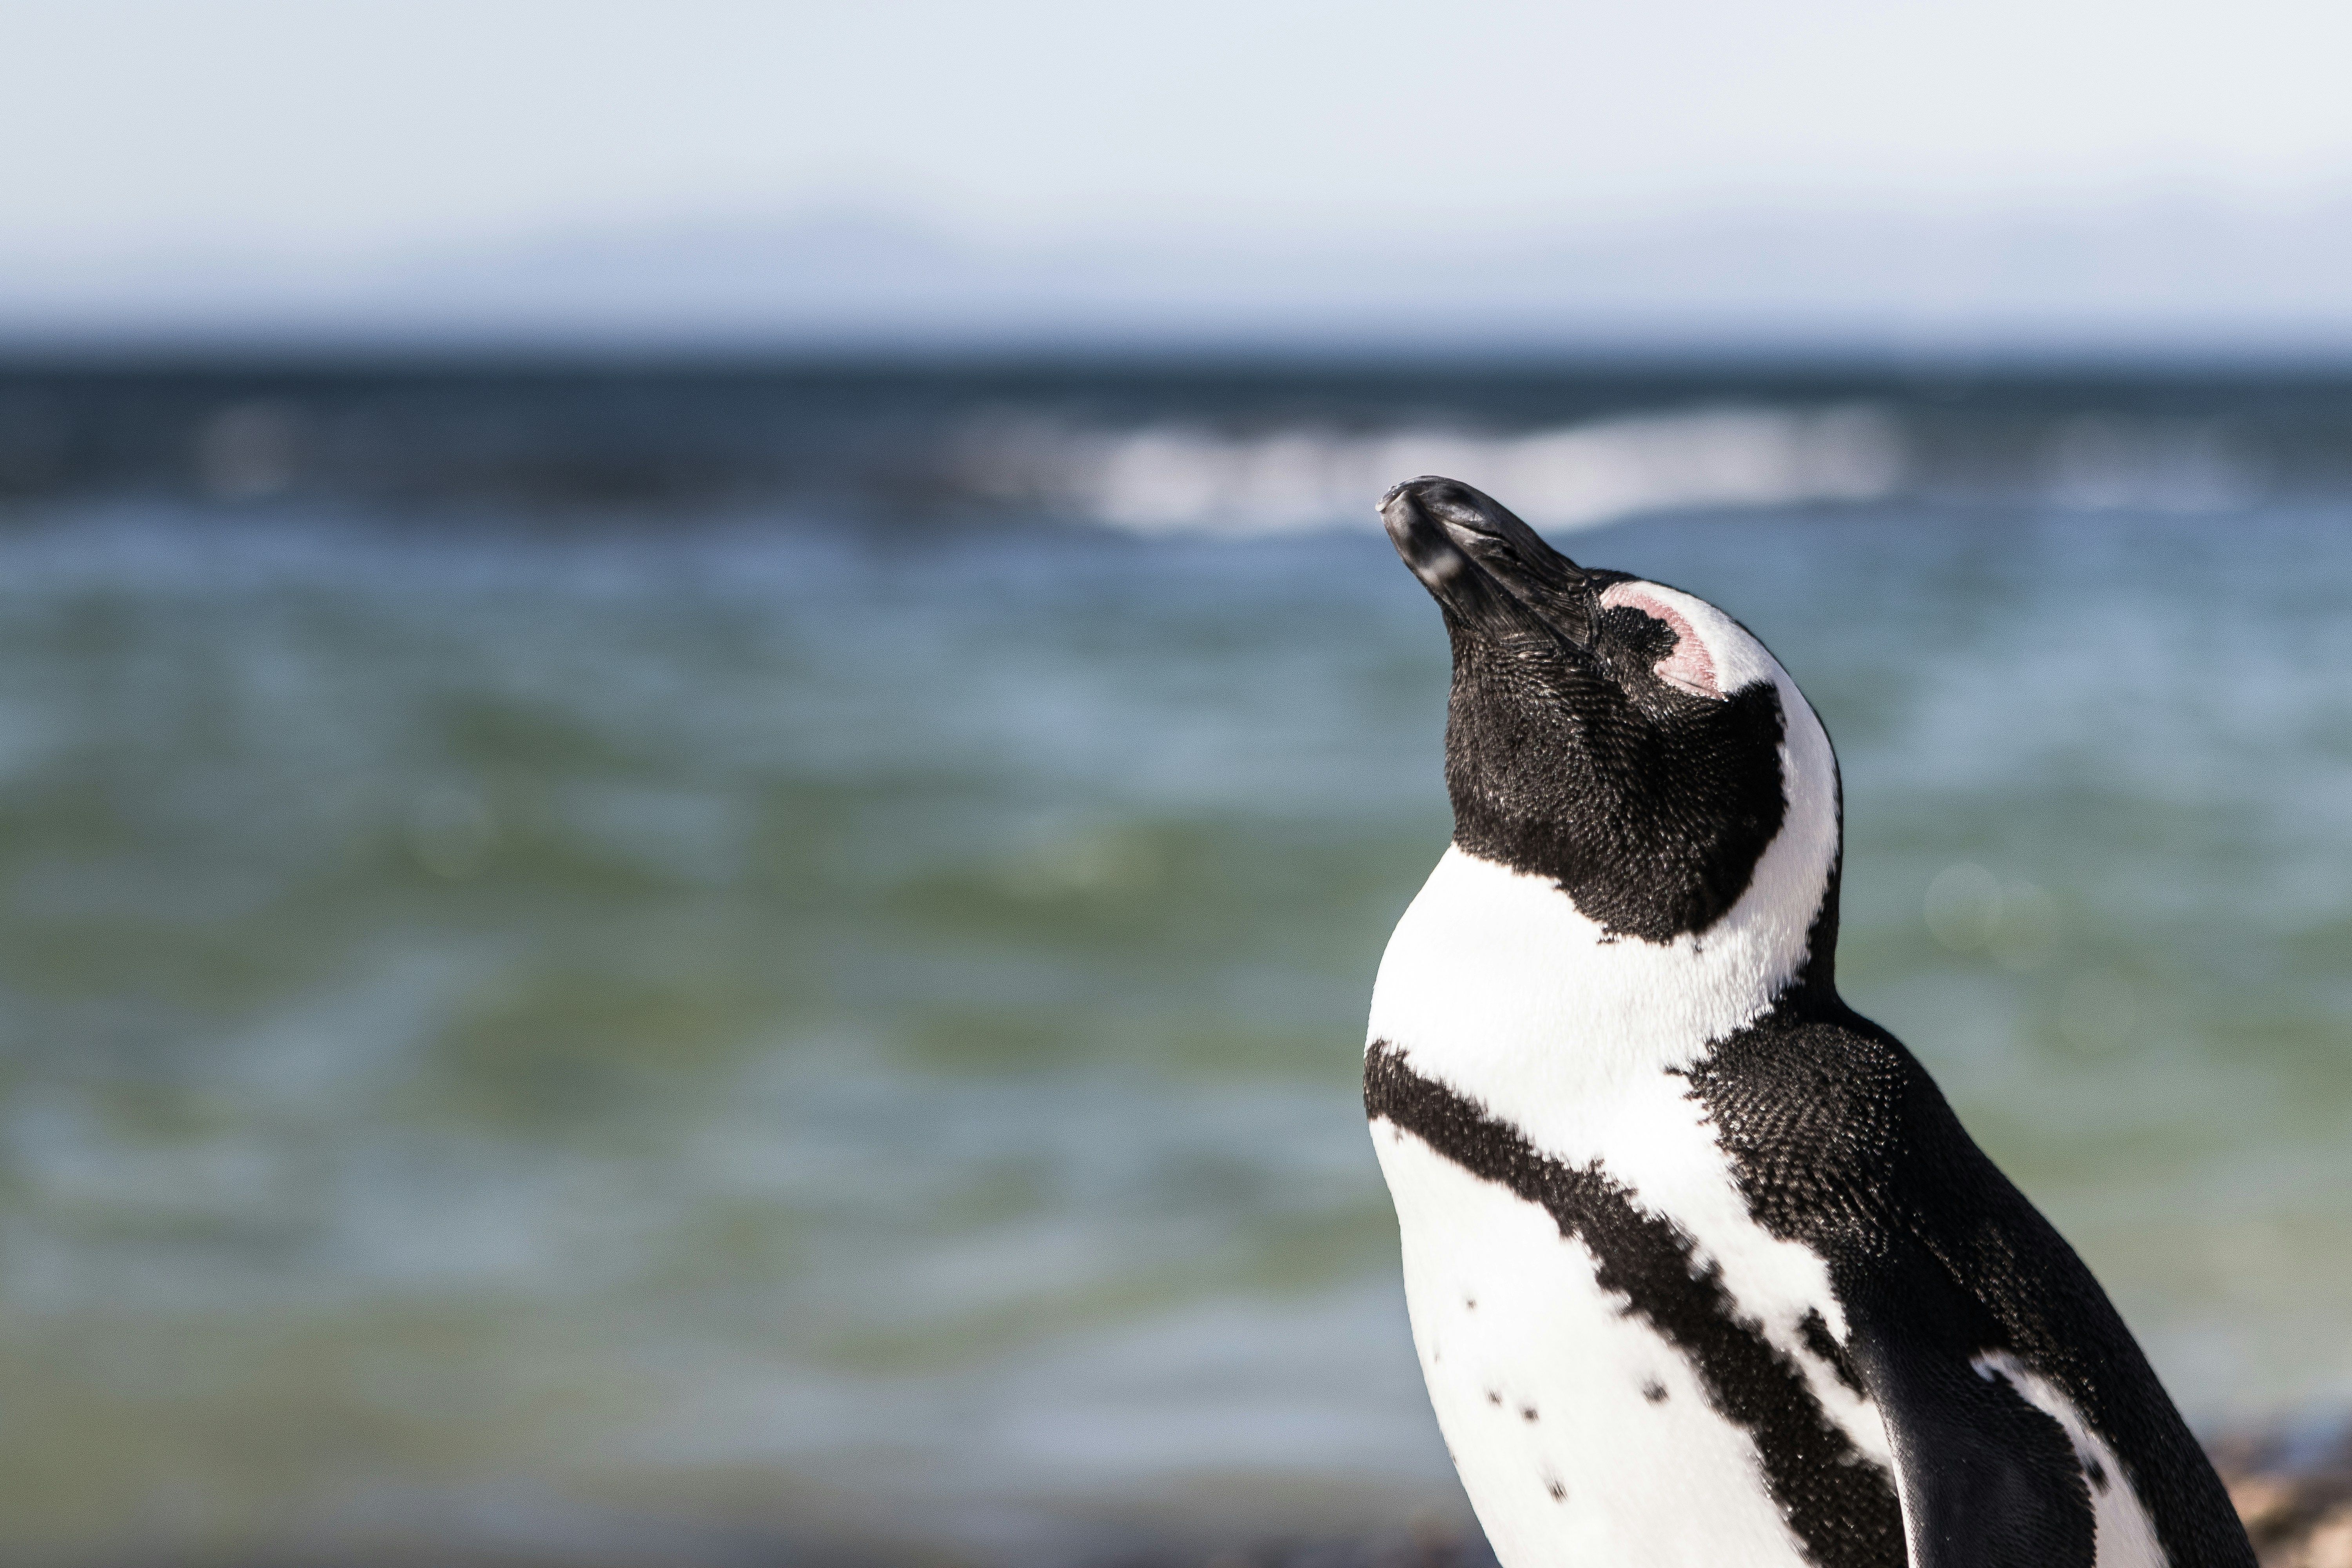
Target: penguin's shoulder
{"points": [[2026, 1423], [1839, 1138]]}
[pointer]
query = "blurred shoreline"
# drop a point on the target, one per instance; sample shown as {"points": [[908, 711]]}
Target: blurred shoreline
{"points": [[2293, 1490]]}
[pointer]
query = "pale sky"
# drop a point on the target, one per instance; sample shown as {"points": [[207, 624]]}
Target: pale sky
{"points": [[327, 129]]}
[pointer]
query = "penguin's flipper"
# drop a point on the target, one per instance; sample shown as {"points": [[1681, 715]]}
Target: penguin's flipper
{"points": [[1986, 1480]]}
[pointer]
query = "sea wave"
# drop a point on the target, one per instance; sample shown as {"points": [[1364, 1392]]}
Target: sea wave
{"points": [[1176, 478]]}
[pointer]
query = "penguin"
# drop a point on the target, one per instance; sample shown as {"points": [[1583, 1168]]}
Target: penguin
{"points": [[1701, 1269]]}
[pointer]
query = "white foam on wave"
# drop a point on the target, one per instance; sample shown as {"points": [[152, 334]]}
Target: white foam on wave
{"points": [[1188, 479]]}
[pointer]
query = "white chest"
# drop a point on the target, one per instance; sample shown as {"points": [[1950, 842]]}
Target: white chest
{"points": [[1496, 986]]}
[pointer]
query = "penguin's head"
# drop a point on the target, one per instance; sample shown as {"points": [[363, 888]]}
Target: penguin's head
{"points": [[1625, 738]]}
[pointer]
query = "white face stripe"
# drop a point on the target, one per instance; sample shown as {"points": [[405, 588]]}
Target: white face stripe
{"points": [[1497, 982], [1691, 664], [1733, 659]]}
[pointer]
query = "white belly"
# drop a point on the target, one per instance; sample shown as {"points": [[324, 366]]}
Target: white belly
{"points": [[1494, 985], [1548, 1392]]}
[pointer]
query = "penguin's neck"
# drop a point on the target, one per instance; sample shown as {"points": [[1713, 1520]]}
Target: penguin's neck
{"points": [[1495, 983]]}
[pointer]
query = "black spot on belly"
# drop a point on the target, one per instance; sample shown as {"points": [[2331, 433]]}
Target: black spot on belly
{"points": [[1526, 1411], [1471, 1302], [2096, 1471], [1493, 1396], [1558, 1492], [1840, 1505], [1654, 1392]]}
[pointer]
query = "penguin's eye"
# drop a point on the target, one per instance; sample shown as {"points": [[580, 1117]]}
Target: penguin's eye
{"points": [[1679, 655]]}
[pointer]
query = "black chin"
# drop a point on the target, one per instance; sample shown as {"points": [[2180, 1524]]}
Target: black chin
{"points": [[1653, 826], [1650, 809]]}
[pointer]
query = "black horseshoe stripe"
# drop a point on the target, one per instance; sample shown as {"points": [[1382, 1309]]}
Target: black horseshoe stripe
{"points": [[1840, 1505]]}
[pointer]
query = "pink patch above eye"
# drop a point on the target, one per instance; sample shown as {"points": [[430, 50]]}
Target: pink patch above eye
{"points": [[1689, 667]]}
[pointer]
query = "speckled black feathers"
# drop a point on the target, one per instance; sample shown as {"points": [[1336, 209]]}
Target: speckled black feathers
{"points": [[1650, 815], [1841, 1142]]}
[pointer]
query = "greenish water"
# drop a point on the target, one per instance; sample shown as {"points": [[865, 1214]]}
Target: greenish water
{"points": [[515, 1032]]}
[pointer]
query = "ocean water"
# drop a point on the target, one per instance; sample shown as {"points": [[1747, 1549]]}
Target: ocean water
{"points": [[826, 1018]]}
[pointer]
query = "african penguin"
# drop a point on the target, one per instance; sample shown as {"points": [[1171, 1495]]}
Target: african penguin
{"points": [[1701, 1269]]}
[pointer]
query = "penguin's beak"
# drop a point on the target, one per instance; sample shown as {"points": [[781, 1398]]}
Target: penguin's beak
{"points": [[1482, 562]]}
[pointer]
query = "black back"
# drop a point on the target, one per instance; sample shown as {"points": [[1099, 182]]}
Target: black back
{"points": [[1841, 1142]]}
